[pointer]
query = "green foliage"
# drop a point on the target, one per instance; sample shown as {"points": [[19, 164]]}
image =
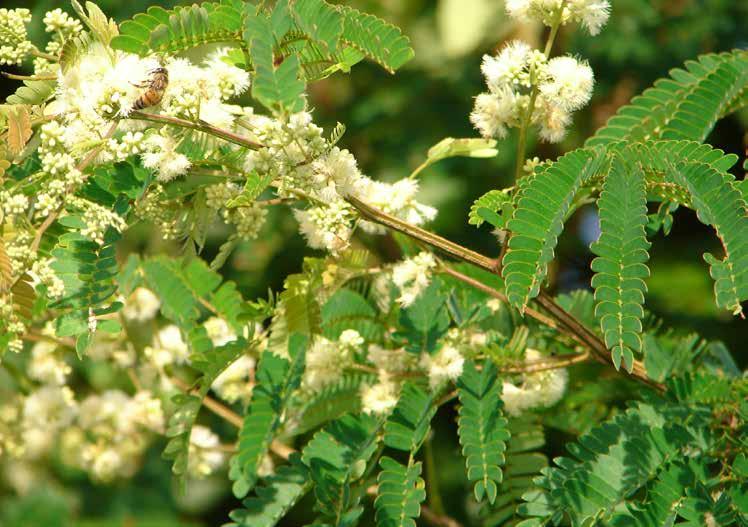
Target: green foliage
{"points": [[482, 428], [378, 40], [684, 106], [210, 363], [426, 320], [275, 497], [253, 187], [524, 463], [615, 460], [542, 208], [88, 271], [408, 425], [186, 285], [346, 309], [620, 265], [294, 42], [719, 204], [277, 87], [33, 92], [487, 207], [400, 493], [337, 456], [331, 402], [277, 378], [162, 31]]}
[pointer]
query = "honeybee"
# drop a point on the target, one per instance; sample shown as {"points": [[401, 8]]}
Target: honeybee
{"points": [[154, 89]]}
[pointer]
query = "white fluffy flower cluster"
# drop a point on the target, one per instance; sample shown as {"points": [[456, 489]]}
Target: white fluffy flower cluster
{"points": [[301, 163], [14, 43], [168, 348], [47, 364], [381, 397], [521, 80], [396, 199], [112, 432], [161, 155], [446, 365], [592, 14], [13, 204], [141, 306], [46, 411], [326, 226], [412, 276], [104, 85], [326, 359], [205, 455], [539, 389], [235, 383], [98, 220]]}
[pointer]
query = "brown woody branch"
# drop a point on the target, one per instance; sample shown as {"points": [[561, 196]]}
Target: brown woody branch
{"points": [[561, 319]]}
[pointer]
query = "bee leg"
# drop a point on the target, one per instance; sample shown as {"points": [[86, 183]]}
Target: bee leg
{"points": [[140, 85]]}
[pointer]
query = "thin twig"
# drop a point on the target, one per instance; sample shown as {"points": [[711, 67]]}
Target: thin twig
{"points": [[540, 317], [231, 417], [28, 77], [434, 240], [438, 520], [200, 126], [564, 321]]}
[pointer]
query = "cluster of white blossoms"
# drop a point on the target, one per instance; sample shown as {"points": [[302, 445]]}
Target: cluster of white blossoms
{"points": [[381, 397], [41, 271], [248, 219], [205, 455], [592, 14], [141, 306], [521, 79], [302, 164], [412, 276], [14, 43], [538, 389], [446, 365], [111, 433], [326, 360], [47, 364]]}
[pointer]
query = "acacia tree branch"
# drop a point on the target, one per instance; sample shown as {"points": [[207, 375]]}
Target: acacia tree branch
{"points": [[564, 321], [200, 126]]}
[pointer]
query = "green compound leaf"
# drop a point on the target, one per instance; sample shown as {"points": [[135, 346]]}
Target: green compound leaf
{"points": [[162, 31], [613, 461], [719, 204], [210, 363], [320, 21], [482, 428], [620, 267], [494, 207], [331, 402], [275, 497], [684, 106], [375, 38], [336, 456], [277, 379], [184, 285], [400, 493], [280, 87], [538, 221], [409, 423]]}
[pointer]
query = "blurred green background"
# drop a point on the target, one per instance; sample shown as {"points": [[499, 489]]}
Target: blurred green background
{"points": [[392, 121]]}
